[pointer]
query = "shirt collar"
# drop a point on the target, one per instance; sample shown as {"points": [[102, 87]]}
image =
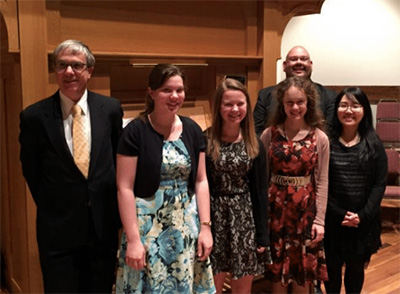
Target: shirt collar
{"points": [[66, 104]]}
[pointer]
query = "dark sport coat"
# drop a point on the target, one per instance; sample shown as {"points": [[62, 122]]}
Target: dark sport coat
{"points": [[63, 196]]}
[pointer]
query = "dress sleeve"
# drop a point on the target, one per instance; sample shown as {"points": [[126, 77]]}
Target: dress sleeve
{"points": [[129, 143], [378, 185], [259, 197], [266, 140], [321, 175]]}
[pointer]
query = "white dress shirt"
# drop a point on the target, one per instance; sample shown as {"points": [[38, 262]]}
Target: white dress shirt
{"points": [[66, 106]]}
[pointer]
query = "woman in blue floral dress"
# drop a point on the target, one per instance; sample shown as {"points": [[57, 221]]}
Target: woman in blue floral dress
{"points": [[163, 196]]}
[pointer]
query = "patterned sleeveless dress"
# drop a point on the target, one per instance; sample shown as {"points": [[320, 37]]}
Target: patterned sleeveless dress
{"points": [[235, 248], [292, 211], [169, 228]]}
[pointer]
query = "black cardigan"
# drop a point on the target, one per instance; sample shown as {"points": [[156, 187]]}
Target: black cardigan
{"points": [[141, 140]]}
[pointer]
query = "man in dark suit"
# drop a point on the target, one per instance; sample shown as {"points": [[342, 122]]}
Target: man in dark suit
{"points": [[297, 63], [77, 211]]}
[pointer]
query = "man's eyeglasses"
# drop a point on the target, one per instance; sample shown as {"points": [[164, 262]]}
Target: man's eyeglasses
{"points": [[76, 66], [354, 107]]}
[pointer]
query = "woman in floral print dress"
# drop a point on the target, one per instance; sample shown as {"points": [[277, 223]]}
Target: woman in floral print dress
{"points": [[163, 196], [297, 163], [236, 169]]}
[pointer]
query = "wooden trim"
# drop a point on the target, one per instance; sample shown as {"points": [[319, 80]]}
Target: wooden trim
{"points": [[149, 58], [8, 10], [374, 93]]}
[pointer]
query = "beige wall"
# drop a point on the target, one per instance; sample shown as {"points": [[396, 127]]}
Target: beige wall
{"points": [[352, 42]]}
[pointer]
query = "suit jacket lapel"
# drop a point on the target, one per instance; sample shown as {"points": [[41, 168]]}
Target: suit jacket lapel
{"points": [[97, 124], [53, 123]]}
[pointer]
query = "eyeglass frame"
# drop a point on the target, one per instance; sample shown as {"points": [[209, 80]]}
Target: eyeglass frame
{"points": [[70, 64], [344, 107]]}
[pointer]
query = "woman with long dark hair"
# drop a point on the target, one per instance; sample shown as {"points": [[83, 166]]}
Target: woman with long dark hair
{"points": [[357, 180]]}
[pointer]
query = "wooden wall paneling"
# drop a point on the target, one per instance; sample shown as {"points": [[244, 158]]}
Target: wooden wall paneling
{"points": [[7, 226], [53, 22], [14, 218], [374, 93], [6, 256], [300, 7], [14, 235], [252, 83], [34, 86], [8, 10], [100, 81], [33, 40], [270, 24], [129, 84], [250, 17], [198, 27], [100, 84]]}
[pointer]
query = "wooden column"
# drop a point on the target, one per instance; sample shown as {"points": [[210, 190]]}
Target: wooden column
{"points": [[34, 81], [270, 49], [33, 50]]}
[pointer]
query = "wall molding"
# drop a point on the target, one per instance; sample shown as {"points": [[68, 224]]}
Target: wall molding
{"points": [[374, 93]]}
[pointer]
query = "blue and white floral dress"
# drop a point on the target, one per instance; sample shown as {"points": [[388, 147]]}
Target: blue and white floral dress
{"points": [[169, 228]]}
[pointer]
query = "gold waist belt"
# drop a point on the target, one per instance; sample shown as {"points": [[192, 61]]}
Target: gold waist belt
{"points": [[290, 181]]}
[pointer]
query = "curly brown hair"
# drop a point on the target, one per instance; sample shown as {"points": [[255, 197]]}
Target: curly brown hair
{"points": [[313, 116]]}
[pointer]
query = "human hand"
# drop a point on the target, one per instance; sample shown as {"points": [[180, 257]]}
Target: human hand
{"points": [[317, 233], [260, 249], [204, 243], [135, 255], [351, 219]]}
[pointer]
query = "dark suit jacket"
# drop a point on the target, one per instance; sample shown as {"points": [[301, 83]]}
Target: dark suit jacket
{"points": [[265, 104], [65, 199]]}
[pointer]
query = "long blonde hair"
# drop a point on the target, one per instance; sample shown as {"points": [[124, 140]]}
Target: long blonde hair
{"points": [[214, 134]]}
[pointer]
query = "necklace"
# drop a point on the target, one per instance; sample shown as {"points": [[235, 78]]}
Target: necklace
{"points": [[286, 136], [165, 130], [232, 139], [352, 142]]}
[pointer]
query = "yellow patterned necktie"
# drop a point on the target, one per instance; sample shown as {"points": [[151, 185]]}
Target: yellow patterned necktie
{"points": [[79, 141]]}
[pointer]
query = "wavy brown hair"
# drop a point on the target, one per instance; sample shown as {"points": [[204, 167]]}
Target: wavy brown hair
{"points": [[214, 134]]}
